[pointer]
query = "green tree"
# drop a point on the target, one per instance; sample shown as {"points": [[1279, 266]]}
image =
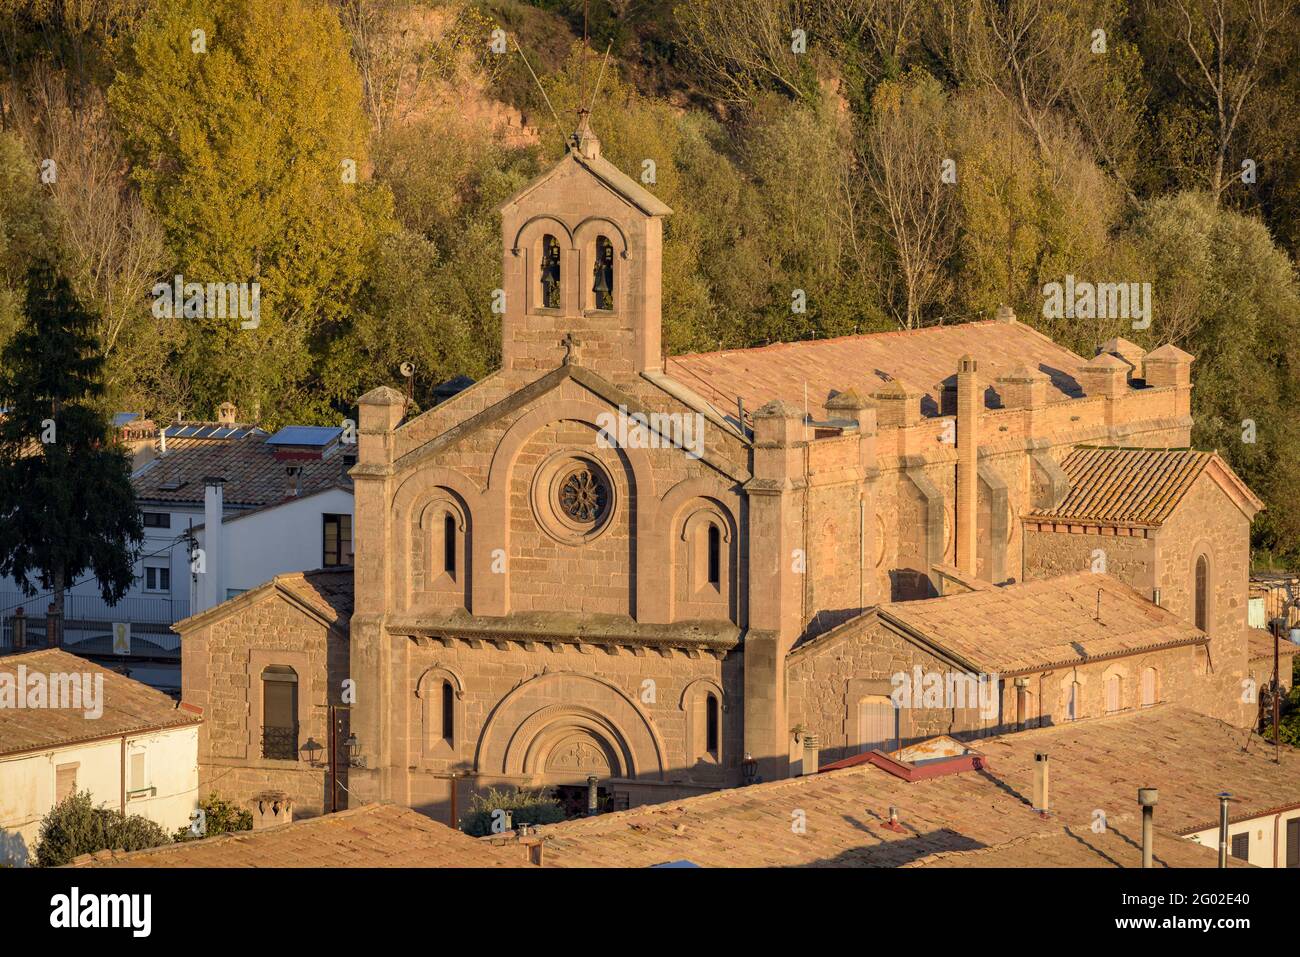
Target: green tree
{"points": [[244, 125], [77, 827], [66, 500]]}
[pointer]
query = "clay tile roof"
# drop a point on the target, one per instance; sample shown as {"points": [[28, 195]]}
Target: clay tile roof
{"points": [[254, 477], [1126, 486], [128, 706], [1260, 646], [374, 835], [1040, 624], [971, 819], [865, 362], [326, 591]]}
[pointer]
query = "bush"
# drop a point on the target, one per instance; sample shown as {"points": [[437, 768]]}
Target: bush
{"points": [[219, 817], [525, 807], [77, 827]]}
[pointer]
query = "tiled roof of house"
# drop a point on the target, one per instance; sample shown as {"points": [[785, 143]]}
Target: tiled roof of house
{"points": [[374, 835], [1126, 486], [254, 477], [1260, 646], [128, 706], [840, 818], [921, 357], [326, 591], [1039, 624]]}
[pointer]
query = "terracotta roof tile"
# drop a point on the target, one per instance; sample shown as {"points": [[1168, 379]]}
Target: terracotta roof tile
{"points": [[865, 362], [254, 477], [127, 706], [1038, 624], [374, 835], [970, 819], [1126, 486], [1260, 646]]}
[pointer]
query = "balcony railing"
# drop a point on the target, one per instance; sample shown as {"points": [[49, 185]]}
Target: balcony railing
{"points": [[137, 609], [280, 744]]}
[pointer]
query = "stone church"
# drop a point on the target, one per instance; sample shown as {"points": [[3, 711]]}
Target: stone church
{"points": [[680, 574]]}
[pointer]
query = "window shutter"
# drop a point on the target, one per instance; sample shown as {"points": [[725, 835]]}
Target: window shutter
{"points": [[65, 781], [1241, 846]]}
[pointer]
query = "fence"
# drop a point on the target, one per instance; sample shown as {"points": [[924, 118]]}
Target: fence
{"points": [[88, 623]]}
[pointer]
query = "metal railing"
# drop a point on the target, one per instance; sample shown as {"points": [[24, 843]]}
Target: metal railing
{"points": [[280, 744], [137, 609]]}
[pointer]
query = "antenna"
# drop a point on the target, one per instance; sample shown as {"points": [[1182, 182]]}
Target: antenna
{"points": [[538, 82], [601, 76]]}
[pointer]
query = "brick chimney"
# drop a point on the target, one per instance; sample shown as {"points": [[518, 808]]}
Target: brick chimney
{"points": [[969, 403], [898, 404]]}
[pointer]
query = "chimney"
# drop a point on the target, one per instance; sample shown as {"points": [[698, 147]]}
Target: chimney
{"points": [[898, 405], [53, 627], [811, 744], [1005, 314], [293, 480], [226, 413], [1040, 783], [1147, 798], [968, 412], [1224, 798], [162, 441], [211, 592]]}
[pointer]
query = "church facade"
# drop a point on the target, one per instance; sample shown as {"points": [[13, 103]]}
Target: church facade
{"points": [[674, 575]]}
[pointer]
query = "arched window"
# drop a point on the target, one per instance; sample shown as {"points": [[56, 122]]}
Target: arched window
{"points": [[449, 544], [280, 713], [550, 272], [1148, 687], [448, 713], [1113, 689], [712, 723], [1203, 593], [715, 556], [602, 284]]}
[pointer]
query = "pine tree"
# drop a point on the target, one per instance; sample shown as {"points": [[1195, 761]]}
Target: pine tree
{"points": [[66, 500]]}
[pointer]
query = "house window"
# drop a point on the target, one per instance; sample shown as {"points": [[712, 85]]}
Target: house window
{"points": [[280, 713], [157, 578], [715, 556], [712, 722], [157, 519], [449, 544], [1203, 593], [1148, 687], [65, 781], [448, 713], [338, 540], [138, 777], [1241, 846]]}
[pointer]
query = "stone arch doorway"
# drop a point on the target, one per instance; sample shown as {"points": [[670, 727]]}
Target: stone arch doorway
{"points": [[559, 728]]}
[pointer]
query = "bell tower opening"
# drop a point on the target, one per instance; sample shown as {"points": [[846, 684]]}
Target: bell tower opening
{"points": [[602, 286]]}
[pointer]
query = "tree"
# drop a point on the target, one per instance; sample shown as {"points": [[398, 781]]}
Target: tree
{"points": [[77, 827], [244, 125], [66, 500]]}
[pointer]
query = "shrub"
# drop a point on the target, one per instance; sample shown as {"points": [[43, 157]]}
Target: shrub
{"points": [[77, 827], [525, 807], [219, 817]]}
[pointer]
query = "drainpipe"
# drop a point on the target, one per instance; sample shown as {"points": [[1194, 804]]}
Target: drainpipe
{"points": [[1147, 797], [123, 778], [1224, 797]]}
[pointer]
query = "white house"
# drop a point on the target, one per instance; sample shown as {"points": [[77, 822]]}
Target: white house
{"points": [[68, 724]]}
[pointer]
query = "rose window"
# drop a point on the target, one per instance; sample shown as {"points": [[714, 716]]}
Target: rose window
{"points": [[583, 495]]}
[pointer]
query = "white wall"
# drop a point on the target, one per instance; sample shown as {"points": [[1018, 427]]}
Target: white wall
{"points": [[1261, 830], [259, 545], [27, 784]]}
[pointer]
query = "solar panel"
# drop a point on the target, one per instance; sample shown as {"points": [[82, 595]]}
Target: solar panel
{"points": [[311, 436]]}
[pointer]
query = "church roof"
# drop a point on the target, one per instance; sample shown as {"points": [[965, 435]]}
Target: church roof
{"points": [[1137, 487], [866, 362], [608, 174], [1040, 624], [968, 819]]}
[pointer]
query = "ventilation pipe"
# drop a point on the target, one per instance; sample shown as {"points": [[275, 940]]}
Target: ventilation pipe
{"points": [[811, 744], [1147, 798], [1224, 798]]}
